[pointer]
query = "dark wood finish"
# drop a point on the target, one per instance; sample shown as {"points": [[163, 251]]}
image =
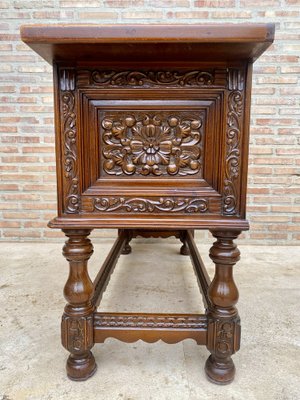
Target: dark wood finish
{"points": [[152, 134]]}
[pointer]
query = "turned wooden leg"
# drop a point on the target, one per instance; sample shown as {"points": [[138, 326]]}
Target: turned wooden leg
{"points": [[223, 318], [127, 248], [184, 249], [77, 320]]}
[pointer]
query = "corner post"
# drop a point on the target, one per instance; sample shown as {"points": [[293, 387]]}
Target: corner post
{"points": [[77, 320], [223, 319]]}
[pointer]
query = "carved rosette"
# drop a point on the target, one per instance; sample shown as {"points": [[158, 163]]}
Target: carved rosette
{"points": [[224, 336], [77, 333], [151, 78], [160, 144], [69, 133], [235, 107], [140, 205]]}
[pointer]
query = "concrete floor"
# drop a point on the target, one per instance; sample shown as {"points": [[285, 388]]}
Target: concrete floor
{"points": [[154, 278]]}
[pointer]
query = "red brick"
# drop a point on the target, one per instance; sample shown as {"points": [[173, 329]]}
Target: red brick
{"points": [[79, 3], [265, 235], [231, 14], [287, 151], [285, 209], [275, 121], [22, 233], [46, 14], [98, 15], [142, 15], [10, 224], [293, 2], [259, 3], [270, 218], [215, 4], [273, 161]]}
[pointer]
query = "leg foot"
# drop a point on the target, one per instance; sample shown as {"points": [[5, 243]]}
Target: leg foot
{"points": [[126, 249], [81, 367], [220, 372], [184, 250]]}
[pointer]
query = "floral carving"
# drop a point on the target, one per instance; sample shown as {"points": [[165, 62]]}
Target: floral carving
{"points": [[233, 138], [152, 145], [136, 205], [152, 78]]}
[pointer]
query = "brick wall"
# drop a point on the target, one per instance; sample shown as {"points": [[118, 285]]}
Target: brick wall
{"points": [[28, 197]]}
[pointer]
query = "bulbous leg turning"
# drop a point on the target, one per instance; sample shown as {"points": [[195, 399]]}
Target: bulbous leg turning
{"points": [[184, 249]]}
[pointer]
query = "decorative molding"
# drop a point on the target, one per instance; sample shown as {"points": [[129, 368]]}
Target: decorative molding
{"points": [[67, 77], [141, 205], [158, 144], [235, 79], [77, 333], [69, 132], [233, 143], [152, 78], [149, 321]]}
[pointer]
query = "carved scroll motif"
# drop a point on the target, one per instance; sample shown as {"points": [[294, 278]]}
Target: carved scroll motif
{"points": [[159, 144], [224, 337], [71, 181], [140, 205], [233, 141], [152, 78], [77, 333]]}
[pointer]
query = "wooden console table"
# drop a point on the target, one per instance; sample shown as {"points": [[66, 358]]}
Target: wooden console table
{"points": [[152, 127]]}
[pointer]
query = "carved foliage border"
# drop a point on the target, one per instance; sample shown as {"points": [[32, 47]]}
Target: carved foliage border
{"points": [[146, 78], [142, 205], [235, 106], [69, 133]]}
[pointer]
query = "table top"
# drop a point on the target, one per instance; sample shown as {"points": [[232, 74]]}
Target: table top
{"points": [[218, 42]]}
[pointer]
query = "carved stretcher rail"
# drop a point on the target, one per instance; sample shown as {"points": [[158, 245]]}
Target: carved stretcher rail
{"points": [[199, 268], [170, 328], [107, 268]]}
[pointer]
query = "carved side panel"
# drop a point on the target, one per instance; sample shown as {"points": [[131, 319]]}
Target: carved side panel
{"points": [[235, 111], [77, 333], [154, 144], [224, 336], [69, 141]]}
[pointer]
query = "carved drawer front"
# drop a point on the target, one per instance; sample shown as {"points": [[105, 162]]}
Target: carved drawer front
{"points": [[152, 142]]}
